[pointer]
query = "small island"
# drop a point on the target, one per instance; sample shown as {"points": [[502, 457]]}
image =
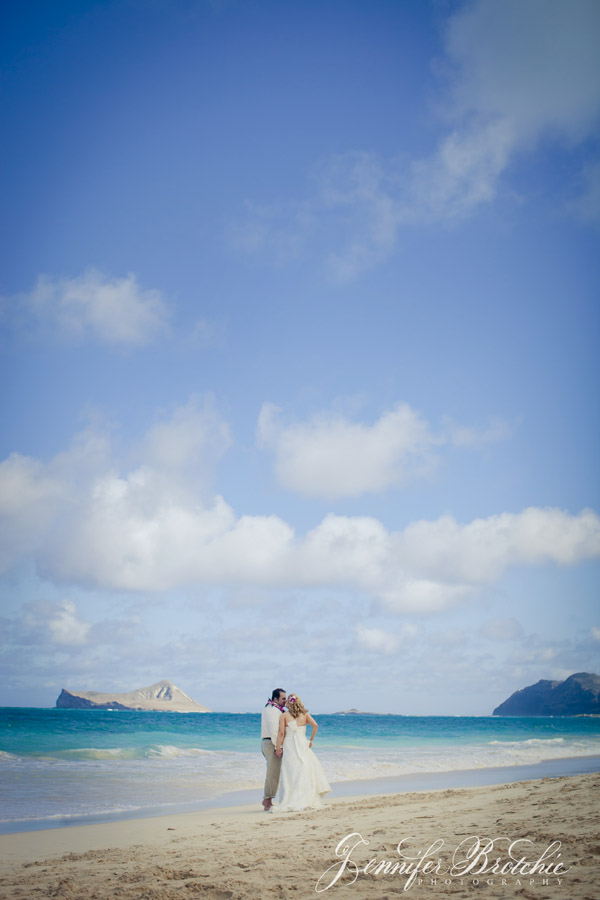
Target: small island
{"points": [[578, 695], [162, 696]]}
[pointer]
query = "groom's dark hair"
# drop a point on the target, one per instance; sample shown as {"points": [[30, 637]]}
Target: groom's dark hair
{"points": [[277, 693]]}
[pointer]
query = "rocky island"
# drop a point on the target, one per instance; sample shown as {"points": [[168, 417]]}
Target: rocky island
{"points": [[578, 695], [164, 696]]}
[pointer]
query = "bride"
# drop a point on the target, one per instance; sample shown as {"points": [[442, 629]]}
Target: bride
{"points": [[302, 782]]}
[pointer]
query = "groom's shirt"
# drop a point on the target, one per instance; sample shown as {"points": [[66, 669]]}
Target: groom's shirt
{"points": [[269, 723]]}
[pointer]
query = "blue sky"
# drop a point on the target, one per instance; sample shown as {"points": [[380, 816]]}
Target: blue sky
{"points": [[299, 347]]}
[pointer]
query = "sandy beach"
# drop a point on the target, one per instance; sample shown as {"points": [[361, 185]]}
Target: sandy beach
{"points": [[459, 841]]}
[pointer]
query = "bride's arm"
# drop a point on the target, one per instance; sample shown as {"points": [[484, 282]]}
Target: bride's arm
{"points": [[315, 728], [280, 734]]}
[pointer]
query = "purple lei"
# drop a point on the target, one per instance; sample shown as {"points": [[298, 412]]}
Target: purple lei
{"points": [[272, 703]]}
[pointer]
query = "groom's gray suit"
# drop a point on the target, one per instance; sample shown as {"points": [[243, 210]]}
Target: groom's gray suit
{"points": [[269, 726]]}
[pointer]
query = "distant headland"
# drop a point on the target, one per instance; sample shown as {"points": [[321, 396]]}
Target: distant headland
{"points": [[164, 695], [578, 695]]}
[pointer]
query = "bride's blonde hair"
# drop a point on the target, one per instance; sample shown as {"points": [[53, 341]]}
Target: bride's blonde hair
{"points": [[294, 704]]}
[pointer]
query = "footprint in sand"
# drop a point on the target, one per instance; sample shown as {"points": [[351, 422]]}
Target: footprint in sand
{"points": [[210, 892]]}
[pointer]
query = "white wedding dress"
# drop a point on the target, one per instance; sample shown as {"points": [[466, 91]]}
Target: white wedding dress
{"points": [[302, 782]]}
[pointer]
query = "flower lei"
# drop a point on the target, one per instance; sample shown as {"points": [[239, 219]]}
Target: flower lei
{"points": [[276, 705]]}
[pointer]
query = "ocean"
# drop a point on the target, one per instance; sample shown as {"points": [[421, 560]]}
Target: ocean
{"points": [[70, 766]]}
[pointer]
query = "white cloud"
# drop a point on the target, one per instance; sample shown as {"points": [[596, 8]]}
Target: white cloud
{"points": [[352, 209], [36, 497], [523, 72], [480, 551], [518, 73], [114, 311], [331, 456], [360, 190], [502, 629], [595, 632], [30, 495], [462, 175], [157, 525], [152, 528], [58, 622], [532, 64], [66, 628], [528, 655], [378, 640], [194, 436]]}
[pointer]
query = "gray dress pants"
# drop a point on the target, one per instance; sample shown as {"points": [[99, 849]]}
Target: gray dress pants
{"points": [[273, 768]]}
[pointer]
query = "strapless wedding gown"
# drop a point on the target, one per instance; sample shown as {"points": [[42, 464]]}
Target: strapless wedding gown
{"points": [[302, 782]]}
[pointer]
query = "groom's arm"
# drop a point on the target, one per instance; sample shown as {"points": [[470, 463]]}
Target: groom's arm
{"points": [[280, 736]]}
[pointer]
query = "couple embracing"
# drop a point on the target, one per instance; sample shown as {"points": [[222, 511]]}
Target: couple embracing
{"points": [[294, 774]]}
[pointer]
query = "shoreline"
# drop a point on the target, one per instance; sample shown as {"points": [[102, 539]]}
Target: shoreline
{"points": [[241, 853], [341, 790]]}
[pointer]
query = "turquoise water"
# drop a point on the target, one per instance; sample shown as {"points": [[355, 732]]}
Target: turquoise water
{"points": [[61, 764]]}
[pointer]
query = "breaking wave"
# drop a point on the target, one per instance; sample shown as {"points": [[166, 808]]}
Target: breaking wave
{"points": [[155, 751]]}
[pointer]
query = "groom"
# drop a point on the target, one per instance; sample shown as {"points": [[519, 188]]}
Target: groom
{"points": [[269, 726]]}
